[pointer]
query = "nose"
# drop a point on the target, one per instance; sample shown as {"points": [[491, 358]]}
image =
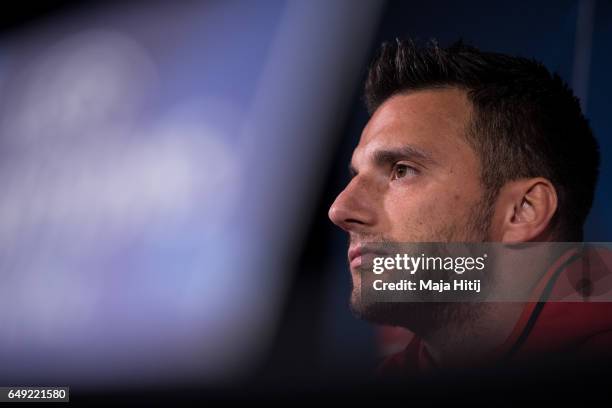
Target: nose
{"points": [[352, 210]]}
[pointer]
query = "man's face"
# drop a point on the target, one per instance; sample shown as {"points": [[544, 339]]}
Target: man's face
{"points": [[416, 179]]}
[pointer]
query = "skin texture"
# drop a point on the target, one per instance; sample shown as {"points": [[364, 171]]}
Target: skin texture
{"points": [[416, 179], [409, 198]]}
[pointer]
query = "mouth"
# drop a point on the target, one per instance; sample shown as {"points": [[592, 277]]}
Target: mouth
{"points": [[355, 256], [359, 254]]}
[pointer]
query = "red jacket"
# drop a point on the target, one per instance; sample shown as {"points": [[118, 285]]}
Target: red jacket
{"points": [[578, 328]]}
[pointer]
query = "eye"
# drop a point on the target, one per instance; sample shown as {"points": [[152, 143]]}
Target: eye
{"points": [[402, 170]]}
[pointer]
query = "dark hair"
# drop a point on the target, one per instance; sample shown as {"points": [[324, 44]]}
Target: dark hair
{"points": [[526, 121]]}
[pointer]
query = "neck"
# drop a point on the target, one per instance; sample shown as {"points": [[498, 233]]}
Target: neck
{"points": [[468, 334], [471, 334]]}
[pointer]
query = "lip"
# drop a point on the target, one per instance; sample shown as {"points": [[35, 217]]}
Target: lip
{"points": [[355, 256], [358, 253]]}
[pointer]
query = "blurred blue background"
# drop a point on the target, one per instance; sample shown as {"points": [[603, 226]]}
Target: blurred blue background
{"points": [[166, 172]]}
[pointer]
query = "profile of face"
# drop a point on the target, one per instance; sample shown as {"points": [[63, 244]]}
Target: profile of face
{"points": [[415, 179]]}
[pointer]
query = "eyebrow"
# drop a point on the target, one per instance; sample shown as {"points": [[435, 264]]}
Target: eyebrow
{"points": [[389, 156]]}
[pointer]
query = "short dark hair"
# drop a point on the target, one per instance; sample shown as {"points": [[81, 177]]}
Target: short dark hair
{"points": [[526, 121]]}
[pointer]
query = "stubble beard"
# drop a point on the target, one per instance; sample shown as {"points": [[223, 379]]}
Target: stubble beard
{"points": [[425, 317]]}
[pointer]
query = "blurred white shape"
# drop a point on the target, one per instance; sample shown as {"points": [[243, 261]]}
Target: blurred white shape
{"points": [[91, 79], [86, 180], [142, 240]]}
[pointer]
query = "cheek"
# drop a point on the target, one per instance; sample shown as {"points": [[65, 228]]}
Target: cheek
{"points": [[414, 214], [409, 215]]}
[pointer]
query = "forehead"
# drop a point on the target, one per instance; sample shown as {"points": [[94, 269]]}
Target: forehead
{"points": [[432, 120]]}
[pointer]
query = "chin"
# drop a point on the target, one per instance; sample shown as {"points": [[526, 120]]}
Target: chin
{"points": [[384, 313]]}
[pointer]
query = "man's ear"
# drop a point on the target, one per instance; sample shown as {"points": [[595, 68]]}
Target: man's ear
{"points": [[524, 209]]}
